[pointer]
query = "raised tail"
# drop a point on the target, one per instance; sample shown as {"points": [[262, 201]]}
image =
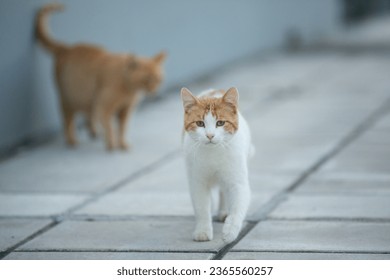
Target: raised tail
{"points": [[41, 28]]}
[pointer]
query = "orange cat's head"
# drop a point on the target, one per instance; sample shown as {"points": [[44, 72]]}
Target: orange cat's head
{"points": [[146, 73], [211, 118]]}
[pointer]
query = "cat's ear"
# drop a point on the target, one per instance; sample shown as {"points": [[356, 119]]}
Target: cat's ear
{"points": [[160, 57], [231, 96], [188, 99]]}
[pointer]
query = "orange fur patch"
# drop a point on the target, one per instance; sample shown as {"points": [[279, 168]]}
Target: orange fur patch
{"points": [[221, 110]]}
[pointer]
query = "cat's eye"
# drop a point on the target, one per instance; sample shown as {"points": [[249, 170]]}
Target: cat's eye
{"points": [[220, 123], [200, 123]]}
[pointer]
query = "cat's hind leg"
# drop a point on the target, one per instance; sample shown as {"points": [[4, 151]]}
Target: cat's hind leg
{"points": [[69, 127], [91, 124]]}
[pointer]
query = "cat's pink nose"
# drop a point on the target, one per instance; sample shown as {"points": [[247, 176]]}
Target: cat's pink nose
{"points": [[210, 136]]}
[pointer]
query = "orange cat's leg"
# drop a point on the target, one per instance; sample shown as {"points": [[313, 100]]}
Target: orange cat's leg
{"points": [[123, 116], [123, 119], [91, 125], [69, 128], [107, 125]]}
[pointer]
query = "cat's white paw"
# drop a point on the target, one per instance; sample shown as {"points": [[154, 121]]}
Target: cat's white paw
{"points": [[230, 230], [229, 237], [203, 235]]}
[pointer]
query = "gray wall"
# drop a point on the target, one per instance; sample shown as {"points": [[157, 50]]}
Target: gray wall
{"points": [[199, 36]]}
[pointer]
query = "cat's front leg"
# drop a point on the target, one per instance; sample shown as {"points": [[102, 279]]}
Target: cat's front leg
{"points": [[108, 131], [123, 116], [201, 201], [238, 197]]}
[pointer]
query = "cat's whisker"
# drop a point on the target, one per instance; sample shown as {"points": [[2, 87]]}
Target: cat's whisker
{"points": [[222, 144]]}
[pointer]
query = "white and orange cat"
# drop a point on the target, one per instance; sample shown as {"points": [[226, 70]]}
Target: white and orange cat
{"points": [[217, 145], [102, 85]]}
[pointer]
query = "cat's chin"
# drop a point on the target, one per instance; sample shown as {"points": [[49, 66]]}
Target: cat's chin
{"points": [[211, 144]]}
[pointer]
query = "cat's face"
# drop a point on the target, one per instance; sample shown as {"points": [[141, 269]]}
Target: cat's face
{"points": [[147, 73], [210, 120]]}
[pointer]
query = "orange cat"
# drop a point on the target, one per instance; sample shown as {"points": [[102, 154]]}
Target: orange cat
{"points": [[97, 83]]}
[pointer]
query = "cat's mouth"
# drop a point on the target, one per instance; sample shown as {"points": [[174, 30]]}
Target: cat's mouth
{"points": [[210, 143]]}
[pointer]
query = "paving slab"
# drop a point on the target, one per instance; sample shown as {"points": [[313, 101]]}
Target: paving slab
{"points": [[317, 236], [284, 157], [350, 183], [144, 235], [55, 168], [107, 256], [383, 123], [13, 231], [158, 203], [169, 177], [302, 256], [37, 204], [359, 157], [86, 169], [270, 181], [303, 206], [377, 137]]}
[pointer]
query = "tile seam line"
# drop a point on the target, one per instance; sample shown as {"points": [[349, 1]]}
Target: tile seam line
{"points": [[311, 251], [354, 134], [211, 251], [332, 219]]}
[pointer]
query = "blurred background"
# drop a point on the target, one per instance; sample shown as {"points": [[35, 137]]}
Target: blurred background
{"points": [[200, 37]]}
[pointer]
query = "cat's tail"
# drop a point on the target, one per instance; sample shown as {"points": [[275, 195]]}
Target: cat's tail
{"points": [[41, 28]]}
